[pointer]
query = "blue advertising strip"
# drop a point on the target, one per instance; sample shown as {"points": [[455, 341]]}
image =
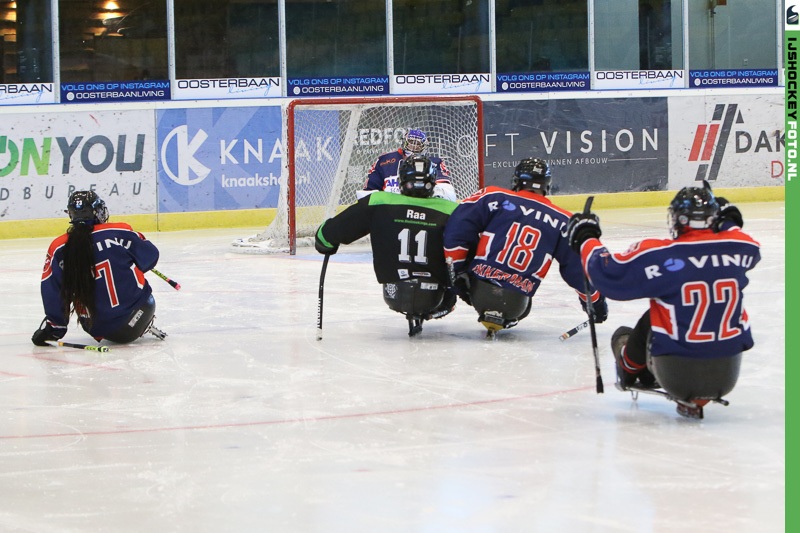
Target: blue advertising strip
{"points": [[709, 79], [345, 86], [115, 91], [592, 145], [219, 158], [543, 81]]}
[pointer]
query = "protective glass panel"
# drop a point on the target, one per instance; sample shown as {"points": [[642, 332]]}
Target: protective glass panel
{"points": [[543, 35], [113, 40], [732, 34], [25, 41], [656, 25], [441, 36], [226, 38], [335, 38]]}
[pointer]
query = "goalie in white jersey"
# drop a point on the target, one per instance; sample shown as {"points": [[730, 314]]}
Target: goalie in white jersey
{"points": [[383, 175]]}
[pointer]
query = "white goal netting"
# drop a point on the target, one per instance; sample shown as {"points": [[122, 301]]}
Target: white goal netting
{"points": [[332, 143]]}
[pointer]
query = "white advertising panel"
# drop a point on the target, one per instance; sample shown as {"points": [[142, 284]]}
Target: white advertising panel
{"points": [[441, 83], [27, 93], [222, 88], [639, 79], [731, 141], [44, 157]]}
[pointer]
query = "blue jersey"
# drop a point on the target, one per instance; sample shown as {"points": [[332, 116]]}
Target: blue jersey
{"points": [[694, 283], [383, 174], [121, 257], [511, 238]]}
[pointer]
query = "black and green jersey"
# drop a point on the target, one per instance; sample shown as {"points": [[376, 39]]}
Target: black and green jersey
{"points": [[406, 234]]}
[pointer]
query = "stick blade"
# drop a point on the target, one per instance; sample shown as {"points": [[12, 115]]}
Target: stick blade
{"points": [[587, 207]]}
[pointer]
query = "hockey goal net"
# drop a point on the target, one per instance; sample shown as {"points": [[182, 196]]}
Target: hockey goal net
{"points": [[332, 144]]}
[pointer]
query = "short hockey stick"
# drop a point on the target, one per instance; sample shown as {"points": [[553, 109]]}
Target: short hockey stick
{"points": [[321, 294], [451, 271], [90, 347], [590, 311], [175, 284], [567, 334]]}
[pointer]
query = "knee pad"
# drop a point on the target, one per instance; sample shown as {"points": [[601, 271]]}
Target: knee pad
{"points": [[136, 324], [413, 297], [498, 305]]}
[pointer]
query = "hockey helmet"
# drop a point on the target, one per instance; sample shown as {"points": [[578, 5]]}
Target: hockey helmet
{"points": [[414, 142], [692, 208], [417, 176], [532, 174], [85, 207]]}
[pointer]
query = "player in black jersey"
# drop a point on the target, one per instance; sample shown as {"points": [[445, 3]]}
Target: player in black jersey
{"points": [[406, 232]]}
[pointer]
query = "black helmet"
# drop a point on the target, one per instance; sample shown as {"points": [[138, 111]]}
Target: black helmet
{"points": [[417, 176], [532, 174], [85, 207], [692, 208]]}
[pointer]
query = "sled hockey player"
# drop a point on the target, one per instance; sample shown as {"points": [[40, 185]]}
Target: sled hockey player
{"points": [[690, 341], [501, 244], [96, 270], [406, 237], [383, 176]]}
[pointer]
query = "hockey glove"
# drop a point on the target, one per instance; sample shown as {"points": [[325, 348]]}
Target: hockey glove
{"points": [[582, 227], [323, 246], [462, 287], [727, 213], [600, 309], [47, 332], [446, 191]]}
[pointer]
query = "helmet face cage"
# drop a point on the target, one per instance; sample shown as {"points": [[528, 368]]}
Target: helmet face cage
{"points": [[417, 176], [415, 142], [533, 175], [85, 207], [692, 208]]}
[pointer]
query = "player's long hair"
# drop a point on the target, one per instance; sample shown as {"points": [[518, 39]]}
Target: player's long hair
{"points": [[77, 290]]}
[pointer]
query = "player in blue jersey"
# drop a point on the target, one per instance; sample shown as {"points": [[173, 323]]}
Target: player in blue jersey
{"points": [[406, 236], [502, 243], [383, 174], [691, 338], [96, 270]]}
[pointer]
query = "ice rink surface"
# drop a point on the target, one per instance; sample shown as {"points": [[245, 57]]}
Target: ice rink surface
{"points": [[241, 421]]}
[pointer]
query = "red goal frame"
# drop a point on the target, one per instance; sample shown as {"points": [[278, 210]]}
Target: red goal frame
{"points": [[290, 143]]}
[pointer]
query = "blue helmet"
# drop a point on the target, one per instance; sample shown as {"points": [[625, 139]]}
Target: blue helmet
{"points": [[415, 142]]}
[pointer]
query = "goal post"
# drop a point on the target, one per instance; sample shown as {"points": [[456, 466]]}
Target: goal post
{"points": [[331, 144]]}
